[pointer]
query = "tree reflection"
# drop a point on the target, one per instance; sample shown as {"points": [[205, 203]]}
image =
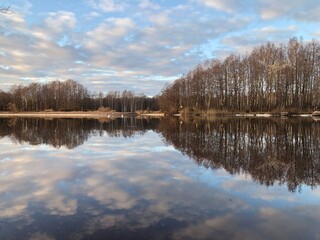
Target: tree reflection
{"points": [[70, 133], [273, 151], [284, 151]]}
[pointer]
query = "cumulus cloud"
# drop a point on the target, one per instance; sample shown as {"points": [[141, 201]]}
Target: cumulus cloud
{"points": [[108, 33], [147, 4], [299, 9], [229, 6], [107, 5], [92, 15], [155, 41], [244, 43], [62, 20], [308, 14]]}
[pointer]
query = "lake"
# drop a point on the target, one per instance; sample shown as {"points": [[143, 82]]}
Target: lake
{"points": [[131, 178]]}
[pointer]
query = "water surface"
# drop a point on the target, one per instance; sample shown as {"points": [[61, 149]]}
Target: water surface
{"points": [[151, 179]]}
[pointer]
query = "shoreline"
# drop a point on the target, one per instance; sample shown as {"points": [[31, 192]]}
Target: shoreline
{"points": [[79, 114], [68, 114], [249, 115], [98, 115]]}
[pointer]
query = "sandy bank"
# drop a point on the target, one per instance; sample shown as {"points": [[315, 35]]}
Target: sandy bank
{"points": [[152, 114], [94, 114]]}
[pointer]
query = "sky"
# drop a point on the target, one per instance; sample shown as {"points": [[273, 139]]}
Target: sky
{"points": [[138, 45]]}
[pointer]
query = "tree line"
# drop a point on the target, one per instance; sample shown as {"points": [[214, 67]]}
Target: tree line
{"points": [[270, 78], [71, 96]]}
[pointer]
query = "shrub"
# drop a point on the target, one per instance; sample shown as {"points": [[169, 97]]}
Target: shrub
{"points": [[104, 109], [12, 107]]}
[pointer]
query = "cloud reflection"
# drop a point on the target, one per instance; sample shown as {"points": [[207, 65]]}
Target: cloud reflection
{"points": [[138, 187]]}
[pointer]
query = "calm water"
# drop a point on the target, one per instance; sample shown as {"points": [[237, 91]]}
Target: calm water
{"points": [[152, 179]]}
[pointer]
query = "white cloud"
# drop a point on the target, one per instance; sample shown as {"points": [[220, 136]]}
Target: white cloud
{"points": [[147, 4], [107, 5], [162, 48], [308, 14], [152, 39], [109, 33], [229, 6], [160, 19], [299, 9], [60, 21], [92, 15], [244, 43]]}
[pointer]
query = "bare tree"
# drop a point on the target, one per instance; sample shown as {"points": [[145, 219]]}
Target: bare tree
{"points": [[70, 95], [271, 78]]}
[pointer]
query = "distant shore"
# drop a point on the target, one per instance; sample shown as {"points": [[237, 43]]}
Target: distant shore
{"points": [[112, 114], [315, 114], [77, 114]]}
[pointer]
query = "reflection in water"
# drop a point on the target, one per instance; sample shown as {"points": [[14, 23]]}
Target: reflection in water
{"points": [[69, 133], [270, 150], [285, 151], [112, 186]]}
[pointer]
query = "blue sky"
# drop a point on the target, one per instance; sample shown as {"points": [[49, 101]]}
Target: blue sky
{"points": [[139, 45]]}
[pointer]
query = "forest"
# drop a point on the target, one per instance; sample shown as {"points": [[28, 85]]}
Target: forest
{"points": [[71, 96], [269, 79]]}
